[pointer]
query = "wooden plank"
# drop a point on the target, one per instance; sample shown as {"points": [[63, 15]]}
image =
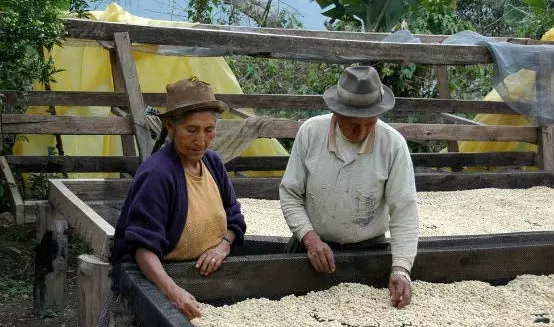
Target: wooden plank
{"points": [[281, 46], [276, 101], [477, 159], [546, 146], [98, 189], [546, 106], [15, 198], [82, 164], [94, 286], [127, 141], [268, 187], [32, 210], [491, 259], [50, 262], [459, 120], [458, 160], [87, 223], [132, 88], [67, 125], [283, 128]]}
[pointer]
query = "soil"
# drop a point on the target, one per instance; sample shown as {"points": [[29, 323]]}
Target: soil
{"points": [[17, 243]]}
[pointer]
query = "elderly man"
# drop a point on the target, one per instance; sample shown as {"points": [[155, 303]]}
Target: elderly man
{"points": [[349, 179]]}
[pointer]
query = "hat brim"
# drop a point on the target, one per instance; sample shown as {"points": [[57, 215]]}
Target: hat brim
{"points": [[220, 106], [332, 101]]}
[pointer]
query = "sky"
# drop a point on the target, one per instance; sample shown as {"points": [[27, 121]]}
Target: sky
{"points": [[308, 12]]}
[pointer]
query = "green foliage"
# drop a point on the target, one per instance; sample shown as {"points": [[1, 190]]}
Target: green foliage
{"points": [[530, 18], [376, 15], [10, 288], [27, 28], [436, 17], [263, 76], [486, 15]]}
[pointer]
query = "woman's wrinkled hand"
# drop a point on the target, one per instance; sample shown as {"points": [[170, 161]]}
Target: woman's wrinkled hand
{"points": [[210, 260], [184, 302]]}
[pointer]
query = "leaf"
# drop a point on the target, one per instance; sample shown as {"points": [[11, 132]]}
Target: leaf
{"points": [[538, 6], [335, 12], [513, 14], [324, 3]]}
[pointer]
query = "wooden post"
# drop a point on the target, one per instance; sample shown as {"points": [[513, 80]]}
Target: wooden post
{"points": [[132, 88], [16, 199], [544, 96], [50, 261], [94, 286], [127, 141]]}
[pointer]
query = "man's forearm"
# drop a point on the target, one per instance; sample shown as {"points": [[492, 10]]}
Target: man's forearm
{"points": [[152, 268]]}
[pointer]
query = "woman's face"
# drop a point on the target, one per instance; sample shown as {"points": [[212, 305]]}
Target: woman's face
{"points": [[193, 134], [356, 129]]}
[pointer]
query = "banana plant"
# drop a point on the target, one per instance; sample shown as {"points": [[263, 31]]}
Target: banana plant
{"points": [[374, 15]]}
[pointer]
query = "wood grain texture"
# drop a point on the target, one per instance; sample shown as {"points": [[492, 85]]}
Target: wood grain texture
{"points": [[66, 125], [83, 164], [276, 101], [87, 223], [132, 88], [94, 286], [268, 187], [14, 196], [283, 46]]}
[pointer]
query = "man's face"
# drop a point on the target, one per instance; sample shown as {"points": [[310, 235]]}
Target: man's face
{"points": [[193, 134], [356, 129]]}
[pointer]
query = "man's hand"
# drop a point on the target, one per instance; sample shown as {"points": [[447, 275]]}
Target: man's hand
{"points": [[210, 260], [400, 289], [184, 302], [319, 253]]}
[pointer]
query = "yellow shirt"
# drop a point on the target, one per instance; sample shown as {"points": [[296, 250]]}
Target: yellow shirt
{"points": [[206, 220]]}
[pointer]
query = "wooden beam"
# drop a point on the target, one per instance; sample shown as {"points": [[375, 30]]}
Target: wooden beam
{"points": [[268, 101], [68, 164], [132, 88], [546, 107], [458, 160], [87, 223], [281, 46], [490, 258], [98, 189], [127, 141], [50, 262], [67, 125], [94, 286], [459, 120], [15, 198], [268, 187]]}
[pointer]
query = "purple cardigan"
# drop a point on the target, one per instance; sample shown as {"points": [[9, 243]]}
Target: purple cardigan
{"points": [[154, 213]]}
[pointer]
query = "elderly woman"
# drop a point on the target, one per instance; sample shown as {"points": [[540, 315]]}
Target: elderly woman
{"points": [[181, 204]]}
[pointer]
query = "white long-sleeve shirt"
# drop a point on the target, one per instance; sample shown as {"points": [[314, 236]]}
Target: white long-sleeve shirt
{"points": [[349, 195]]}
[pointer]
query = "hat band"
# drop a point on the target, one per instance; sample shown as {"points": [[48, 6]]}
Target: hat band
{"points": [[359, 100]]}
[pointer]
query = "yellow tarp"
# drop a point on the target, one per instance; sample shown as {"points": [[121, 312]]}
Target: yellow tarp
{"points": [[521, 87], [88, 69]]}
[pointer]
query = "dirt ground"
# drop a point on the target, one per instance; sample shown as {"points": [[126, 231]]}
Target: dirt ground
{"points": [[17, 244]]}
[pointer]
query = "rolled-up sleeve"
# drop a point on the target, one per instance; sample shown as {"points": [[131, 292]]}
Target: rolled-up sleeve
{"points": [[401, 197], [293, 188]]}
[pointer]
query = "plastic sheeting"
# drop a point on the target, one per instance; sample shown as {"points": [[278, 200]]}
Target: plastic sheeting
{"points": [[88, 69], [510, 61]]}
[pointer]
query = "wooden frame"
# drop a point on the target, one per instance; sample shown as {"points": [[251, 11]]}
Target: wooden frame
{"points": [[496, 258]]}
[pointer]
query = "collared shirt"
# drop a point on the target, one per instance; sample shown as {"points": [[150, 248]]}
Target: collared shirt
{"points": [[349, 201]]}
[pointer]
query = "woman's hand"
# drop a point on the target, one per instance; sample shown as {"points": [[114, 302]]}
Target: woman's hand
{"points": [[210, 260], [184, 302]]}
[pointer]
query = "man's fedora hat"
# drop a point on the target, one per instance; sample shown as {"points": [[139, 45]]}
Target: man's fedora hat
{"points": [[190, 94], [359, 93]]}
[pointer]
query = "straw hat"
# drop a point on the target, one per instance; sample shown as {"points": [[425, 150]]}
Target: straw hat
{"points": [[359, 93], [190, 94]]}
